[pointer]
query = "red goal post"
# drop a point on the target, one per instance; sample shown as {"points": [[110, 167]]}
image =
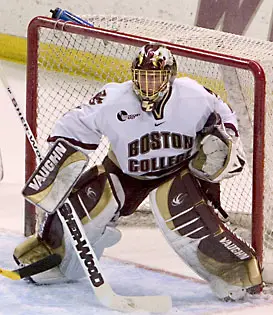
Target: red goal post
{"points": [[1, 167], [67, 63]]}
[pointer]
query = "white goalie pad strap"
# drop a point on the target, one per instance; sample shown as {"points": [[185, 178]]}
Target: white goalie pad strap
{"points": [[55, 177], [220, 156]]}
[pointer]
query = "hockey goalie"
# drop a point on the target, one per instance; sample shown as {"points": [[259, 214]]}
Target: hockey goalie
{"points": [[170, 139]]}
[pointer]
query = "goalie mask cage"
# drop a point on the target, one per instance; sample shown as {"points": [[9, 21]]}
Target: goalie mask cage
{"points": [[68, 63]]}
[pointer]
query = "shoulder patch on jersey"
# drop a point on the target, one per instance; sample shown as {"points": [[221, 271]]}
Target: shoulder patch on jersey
{"points": [[98, 98]]}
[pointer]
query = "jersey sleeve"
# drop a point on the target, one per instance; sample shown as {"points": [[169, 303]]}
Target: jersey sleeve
{"points": [[228, 116], [79, 127]]}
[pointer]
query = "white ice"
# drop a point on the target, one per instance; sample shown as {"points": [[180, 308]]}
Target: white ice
{"points": [[141, 264]]}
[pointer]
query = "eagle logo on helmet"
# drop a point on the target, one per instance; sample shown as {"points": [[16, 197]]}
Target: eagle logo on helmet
{"points": [[150, 53], [162, 58], [158, 56]]}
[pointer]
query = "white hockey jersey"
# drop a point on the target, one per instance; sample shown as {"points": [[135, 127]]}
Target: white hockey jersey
{"points": [[144, 142]]}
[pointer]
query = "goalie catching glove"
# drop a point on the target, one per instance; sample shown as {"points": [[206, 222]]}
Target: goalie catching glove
{"points": [[219, 152]]}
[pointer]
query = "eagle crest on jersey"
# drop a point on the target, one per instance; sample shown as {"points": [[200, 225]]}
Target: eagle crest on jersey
{"points": [[56, 175]]}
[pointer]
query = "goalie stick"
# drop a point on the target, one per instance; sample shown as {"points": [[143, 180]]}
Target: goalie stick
{"points": [[84, 250], [39, 266]]}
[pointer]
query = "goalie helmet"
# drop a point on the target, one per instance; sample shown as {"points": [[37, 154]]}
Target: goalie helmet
{"points": [[153, 72]]}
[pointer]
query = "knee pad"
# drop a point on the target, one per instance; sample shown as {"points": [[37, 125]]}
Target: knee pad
{"points": [[199, 237]]}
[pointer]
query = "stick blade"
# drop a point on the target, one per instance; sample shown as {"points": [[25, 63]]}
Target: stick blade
{"points": [[153, 304]]}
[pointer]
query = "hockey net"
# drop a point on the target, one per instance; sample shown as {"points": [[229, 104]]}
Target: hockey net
{"points": [[68, 63]]}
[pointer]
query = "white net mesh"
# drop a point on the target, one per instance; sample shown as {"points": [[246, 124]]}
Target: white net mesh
{"points": [[73, 67]]}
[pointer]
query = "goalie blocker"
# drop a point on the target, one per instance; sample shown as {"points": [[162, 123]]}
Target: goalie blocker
{"points": [[55, 177]]}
